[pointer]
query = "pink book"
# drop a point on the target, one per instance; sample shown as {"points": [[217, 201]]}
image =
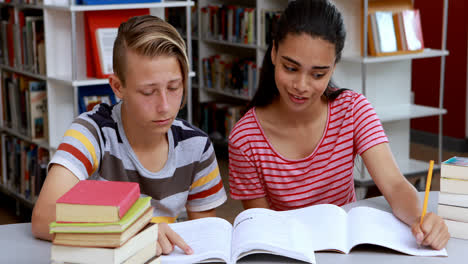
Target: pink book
{"points": [[97, 201]]}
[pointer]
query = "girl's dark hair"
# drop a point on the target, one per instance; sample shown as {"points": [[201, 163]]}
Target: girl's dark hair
{"points": [[317, 18]]}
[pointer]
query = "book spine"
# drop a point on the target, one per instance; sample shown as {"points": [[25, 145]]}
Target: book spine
{"points": [[129, 200]]}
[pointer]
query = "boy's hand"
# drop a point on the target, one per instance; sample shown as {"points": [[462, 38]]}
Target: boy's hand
{"points": [[432, 232], [167, 239]]}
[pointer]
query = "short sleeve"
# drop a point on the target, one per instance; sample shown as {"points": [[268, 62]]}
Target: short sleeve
{"points": [[79, 150], [207, 190], [368, 130], [244, 180]]}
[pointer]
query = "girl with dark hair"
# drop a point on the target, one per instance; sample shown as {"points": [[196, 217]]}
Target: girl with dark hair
{"points": [[297, 143]]}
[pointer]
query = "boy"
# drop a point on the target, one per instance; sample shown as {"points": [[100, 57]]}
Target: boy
{"points": [[139, 139]]}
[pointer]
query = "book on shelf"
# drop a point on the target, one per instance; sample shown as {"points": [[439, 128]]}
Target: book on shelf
{"points": [[37, 115], [92, 95], [135, 212], [382, 36], [138, 249], [413, 35], [106, 19], [303, 231], [97, 201]]}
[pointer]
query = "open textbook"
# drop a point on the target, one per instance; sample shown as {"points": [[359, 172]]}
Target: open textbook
{"points": [[295, 234]]}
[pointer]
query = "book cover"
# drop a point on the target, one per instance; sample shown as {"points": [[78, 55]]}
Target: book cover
{"points": [[137, 209], [91, 95], [97, 201], [455, 167], [413, 29]]}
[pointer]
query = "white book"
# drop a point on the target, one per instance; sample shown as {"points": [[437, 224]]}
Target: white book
{"points": [[456, 186], [456, 213], [457, 229], [386, 31], [105, 38], [453, 199], [295, 234], [91, 255]]}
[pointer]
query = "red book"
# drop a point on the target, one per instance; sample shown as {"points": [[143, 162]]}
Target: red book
{"points": [[412, 29], [97, 201], [103, 19]]}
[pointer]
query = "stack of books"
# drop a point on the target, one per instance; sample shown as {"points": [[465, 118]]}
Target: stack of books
{"points": [[453, 197], [104, 222]]}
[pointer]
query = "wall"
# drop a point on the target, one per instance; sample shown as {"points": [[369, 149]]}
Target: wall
{"points": [[425, 75]]}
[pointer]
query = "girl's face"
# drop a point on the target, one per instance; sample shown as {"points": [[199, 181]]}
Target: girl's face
{"points": [[303, 68]]}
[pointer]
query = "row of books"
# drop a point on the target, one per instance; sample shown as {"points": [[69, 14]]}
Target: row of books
{"points": [[268, 21], [177, 18], [25, 167], [104, 222], [218, 119], [229, 23], [24, 102], [230, 74], [393, 32], [453, 196], [22, 40]]}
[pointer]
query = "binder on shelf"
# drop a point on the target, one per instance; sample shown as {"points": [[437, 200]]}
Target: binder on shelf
{"points": [[95, 20], [89, 96]]}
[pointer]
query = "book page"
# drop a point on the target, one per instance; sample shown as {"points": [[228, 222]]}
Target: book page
{"points": [[210, 238], [372, 226], [261, 230], [105, 38]]}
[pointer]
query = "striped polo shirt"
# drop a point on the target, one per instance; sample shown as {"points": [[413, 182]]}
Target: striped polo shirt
{"points": [[257, 170], [95, 147]]}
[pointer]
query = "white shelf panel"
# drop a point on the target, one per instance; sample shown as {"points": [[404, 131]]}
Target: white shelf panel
{"points": [[407, 111], [82, 8], [13, 132], [211, 90], [228, 43], [26, 73], [427, 53]]}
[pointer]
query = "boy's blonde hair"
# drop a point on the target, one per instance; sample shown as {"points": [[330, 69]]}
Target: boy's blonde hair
{"points": [[149, 36]]}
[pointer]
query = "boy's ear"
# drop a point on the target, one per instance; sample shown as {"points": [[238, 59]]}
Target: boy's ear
{"points": [[116, 86]]}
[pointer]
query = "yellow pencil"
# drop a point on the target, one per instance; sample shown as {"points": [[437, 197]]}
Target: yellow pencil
{"points": [[428, 188]]}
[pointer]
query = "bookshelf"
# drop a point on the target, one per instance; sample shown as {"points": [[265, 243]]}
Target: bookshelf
{"points": [[386, 82], [65, 57]]}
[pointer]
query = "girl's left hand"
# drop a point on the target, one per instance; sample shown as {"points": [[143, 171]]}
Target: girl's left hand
{"points": [[432, 232]]}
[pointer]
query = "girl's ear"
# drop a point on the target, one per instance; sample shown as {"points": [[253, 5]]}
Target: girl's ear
{"points": [[273, 53], [116, 86]]}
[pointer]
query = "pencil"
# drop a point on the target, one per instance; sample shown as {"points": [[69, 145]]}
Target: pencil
{"points": [[428, 188]]}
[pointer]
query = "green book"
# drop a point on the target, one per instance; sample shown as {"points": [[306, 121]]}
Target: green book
{"points": [[139, 208]]}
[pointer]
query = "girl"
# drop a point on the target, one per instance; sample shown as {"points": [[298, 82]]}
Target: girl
{"points": [[297, 143]]}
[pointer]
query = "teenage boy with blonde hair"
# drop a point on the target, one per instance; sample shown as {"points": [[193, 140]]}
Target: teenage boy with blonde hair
{"points": [[139, 139]]}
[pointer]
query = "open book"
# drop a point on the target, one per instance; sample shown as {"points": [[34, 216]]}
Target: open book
{"points": [[294, 234]]}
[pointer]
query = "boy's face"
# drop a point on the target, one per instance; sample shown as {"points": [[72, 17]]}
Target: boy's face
{"points": [[153, 92]]}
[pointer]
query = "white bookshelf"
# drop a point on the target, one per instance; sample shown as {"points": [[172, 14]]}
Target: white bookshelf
{"points": [[386, 82], [66, 64]]}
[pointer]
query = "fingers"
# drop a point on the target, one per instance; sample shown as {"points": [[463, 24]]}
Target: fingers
{"points": [[167, 239], [158, 250], [417, 232], [435, 230], [179, 241]]}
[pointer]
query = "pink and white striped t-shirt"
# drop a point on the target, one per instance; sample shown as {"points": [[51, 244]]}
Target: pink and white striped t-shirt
{"points": [[325, 176]]}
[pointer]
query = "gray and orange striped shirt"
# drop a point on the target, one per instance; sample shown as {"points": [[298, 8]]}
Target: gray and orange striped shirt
{"points": [[96, 147]]}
